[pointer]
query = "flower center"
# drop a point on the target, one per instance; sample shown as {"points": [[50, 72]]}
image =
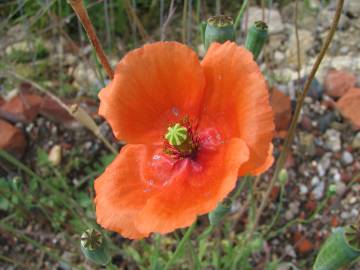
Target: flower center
{"points": [[181, 140]]}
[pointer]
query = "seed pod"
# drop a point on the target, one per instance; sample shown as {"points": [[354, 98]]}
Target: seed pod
{"points": [[219, 29], [340, 249], [219, 212], [256, 38], [94, 247]]}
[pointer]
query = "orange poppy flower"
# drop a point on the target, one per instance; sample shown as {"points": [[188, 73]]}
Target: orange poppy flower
{"points": [[224, 123]]}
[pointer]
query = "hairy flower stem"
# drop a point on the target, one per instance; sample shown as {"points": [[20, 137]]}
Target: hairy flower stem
{"points": [[180, 246], [281, 160], [81, 12]]}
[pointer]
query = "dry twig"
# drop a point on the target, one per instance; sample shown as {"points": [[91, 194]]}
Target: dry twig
{"points": [[80, 10]]}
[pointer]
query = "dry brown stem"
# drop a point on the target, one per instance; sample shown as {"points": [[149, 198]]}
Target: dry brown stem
{"points": [[81, 12]]}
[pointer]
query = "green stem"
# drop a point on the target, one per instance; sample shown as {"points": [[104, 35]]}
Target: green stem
{"points": [[155, 253], [13, 262], [33, 242], [278, 210], [196, 265], [243, 183], [289, 138], [180, 246], [240, 14], [303, 221], [44, 183]]}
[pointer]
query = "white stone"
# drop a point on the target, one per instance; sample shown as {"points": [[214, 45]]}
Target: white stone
{"points": [[303, 189], [306, 40], [315, 180], [333, 140], [356, 141], [352, 7], [318, 191], [347, 158], [278, 56], [324, 164]]}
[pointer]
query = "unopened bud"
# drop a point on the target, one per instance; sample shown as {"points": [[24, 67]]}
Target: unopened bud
{"points": [[283, 176], [219, 29], [256, 38], [332, 190], [94, 247]]}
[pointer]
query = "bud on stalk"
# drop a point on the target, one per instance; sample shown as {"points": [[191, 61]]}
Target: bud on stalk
{"points": [[340, 250], [94, 247], [256, 38], [219, 29]]}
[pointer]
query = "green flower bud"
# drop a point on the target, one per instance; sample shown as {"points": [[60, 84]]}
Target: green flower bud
{"points": [[217, 215], [256, 38], [219, 29], [283, 176], [332, 190], [94, 247], [337, 252]]}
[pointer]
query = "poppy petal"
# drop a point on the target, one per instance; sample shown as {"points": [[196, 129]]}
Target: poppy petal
{"points": [[236, 100], [120, 193], [269, 161], [152, 86], [195, 189], [144, 191]]}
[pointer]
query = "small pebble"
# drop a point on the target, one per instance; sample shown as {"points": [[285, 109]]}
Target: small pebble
{"points": [[315, 180], [318, 191], [347, 158], [303, 189]]}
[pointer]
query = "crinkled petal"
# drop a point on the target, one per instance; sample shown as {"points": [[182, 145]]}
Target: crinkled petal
{"points": [[120, 192], [153, 86], [144, 191], [236, 100], [269, 161]]}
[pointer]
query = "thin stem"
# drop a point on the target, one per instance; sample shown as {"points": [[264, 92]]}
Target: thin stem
{"points": [[81, 12], [301, 221], [297, 42], [240, 188], [240, 14], [155, 254], [132, 14], [45, 184], [14, 262], [180, 246], [33, 242], [184, 17], [280, 162], [195, 259], [167, 21], [278, 210]]}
